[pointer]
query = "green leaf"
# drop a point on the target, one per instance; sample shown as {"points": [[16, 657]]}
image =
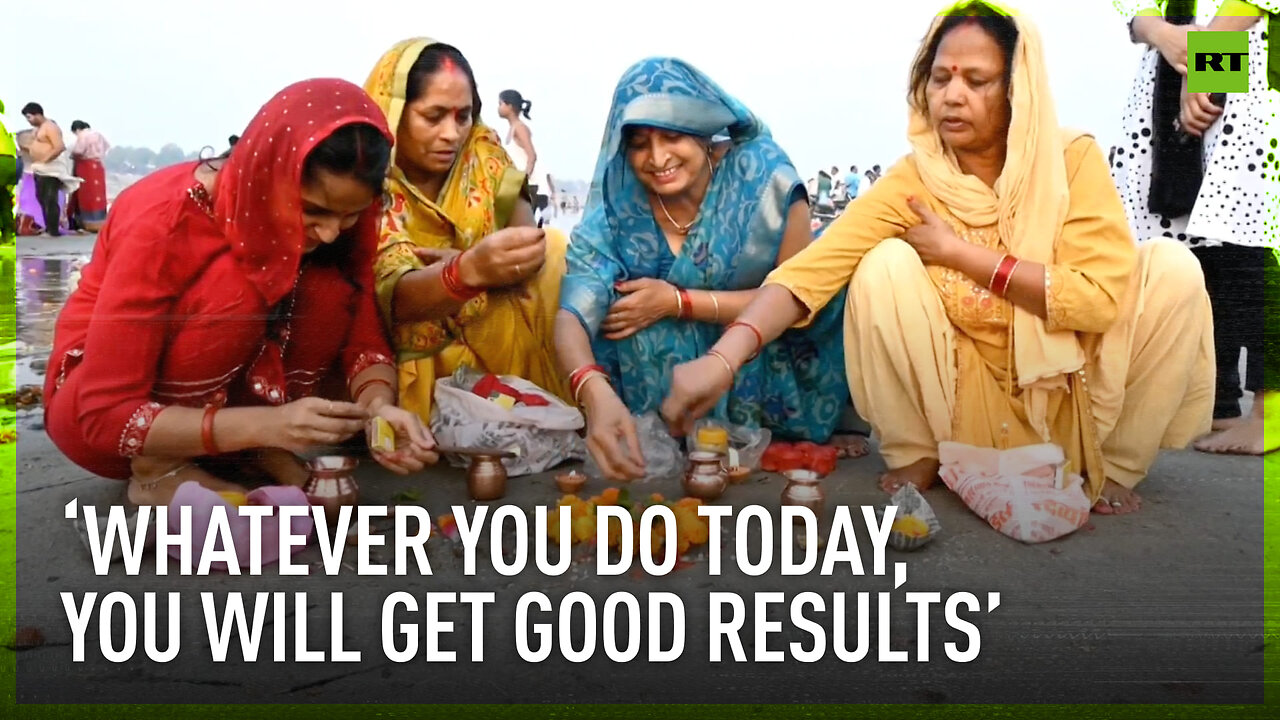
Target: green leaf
{"points": [[406, 496]]}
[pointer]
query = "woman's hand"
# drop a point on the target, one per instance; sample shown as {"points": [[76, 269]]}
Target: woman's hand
{"points": [[612, 439], [306, 423], [1198, 112], [415, 447], [1171, 41], [507, 257], [933, 239], [647, 301], [696, 387]]}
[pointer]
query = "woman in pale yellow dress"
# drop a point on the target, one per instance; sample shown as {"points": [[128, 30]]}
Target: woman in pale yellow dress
{"points": [[463, 276], [996, 297]]}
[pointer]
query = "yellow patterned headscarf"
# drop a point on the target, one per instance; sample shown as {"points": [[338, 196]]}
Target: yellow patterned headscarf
{"points": [[1028, 204], [474, 201]]}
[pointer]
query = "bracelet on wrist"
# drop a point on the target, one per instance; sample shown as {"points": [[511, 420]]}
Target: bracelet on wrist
{"points": [[754, 330], [578, 377], [206, 430], [355, 396], [452, 280]]}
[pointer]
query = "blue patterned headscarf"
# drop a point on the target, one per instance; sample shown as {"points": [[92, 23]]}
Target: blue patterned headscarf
{"points": [[796, 387], [735, 243]]}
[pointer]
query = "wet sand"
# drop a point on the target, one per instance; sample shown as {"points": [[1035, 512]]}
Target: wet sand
{"points": [[1162, 606]]}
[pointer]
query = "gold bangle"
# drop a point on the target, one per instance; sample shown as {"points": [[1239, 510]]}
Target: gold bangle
{"points": [[716, 304], [733, 374], [583, 383], [679, 302]]}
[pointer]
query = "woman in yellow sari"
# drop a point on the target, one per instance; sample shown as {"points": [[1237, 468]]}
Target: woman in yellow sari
{"points": [[463, 276], [996, 297]]}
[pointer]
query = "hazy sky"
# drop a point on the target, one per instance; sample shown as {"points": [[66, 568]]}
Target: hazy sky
{"points": [[830, 83]]}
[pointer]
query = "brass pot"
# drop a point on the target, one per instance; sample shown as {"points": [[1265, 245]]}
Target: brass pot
{"points": [[705, 478], [486, 478], [332, 484], [804, 488]]}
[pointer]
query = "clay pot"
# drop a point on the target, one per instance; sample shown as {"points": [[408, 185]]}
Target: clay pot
{"points": [[705, 478], [571, 482], [486, 478], [804, 488], [332, 484]]}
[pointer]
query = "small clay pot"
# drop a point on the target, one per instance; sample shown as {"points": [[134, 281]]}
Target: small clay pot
{"points": [[571, 482], [332, 484], [738, 474], [486, 478], [804, 488], [706, 478]]}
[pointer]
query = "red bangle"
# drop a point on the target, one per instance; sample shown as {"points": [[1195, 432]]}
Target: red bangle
{"points": [[452, 281], [355, 396], [206, 431], [577, 377], [1004, 273], [752, 328], [686, 304]]}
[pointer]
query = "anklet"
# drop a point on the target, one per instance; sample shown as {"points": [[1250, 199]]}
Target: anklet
{"points": [[149, 485]]}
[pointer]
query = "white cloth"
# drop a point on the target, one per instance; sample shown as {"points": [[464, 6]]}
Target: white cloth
{"points": [[518, 156], [1231, 206], [60, 168]]}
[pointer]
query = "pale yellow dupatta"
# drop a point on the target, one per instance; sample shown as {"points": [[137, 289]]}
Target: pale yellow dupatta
{"points": [[505, 331], [1028, 204]]}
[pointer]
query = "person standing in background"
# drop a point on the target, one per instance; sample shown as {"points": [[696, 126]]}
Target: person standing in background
{"points": [[51, 167], [513, 108], [853, 182], [8, 181], [1197, 172], [87, 208]]}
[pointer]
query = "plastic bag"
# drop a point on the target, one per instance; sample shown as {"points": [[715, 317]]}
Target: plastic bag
{"points": [[914, 524], [543, 436], [747, 444], [662, 455], [1024, 493]]}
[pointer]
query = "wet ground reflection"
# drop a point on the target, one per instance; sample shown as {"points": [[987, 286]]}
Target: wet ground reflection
{"points": [[42, 286]]}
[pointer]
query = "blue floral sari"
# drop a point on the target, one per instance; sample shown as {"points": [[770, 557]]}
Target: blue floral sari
{"points": [[796, 387]]}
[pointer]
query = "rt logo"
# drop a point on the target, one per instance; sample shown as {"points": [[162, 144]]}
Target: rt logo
{"points": [[1219, 62]]}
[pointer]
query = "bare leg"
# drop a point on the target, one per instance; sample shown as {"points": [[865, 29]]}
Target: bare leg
{"points": [[922, 473], [284, 466], [155, 480], [1221, 424]]}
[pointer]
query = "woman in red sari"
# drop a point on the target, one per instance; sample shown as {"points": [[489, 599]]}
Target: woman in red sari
{"points": [[87, 207], [229, 310]]}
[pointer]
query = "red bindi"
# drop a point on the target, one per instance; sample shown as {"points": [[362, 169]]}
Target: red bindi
{"points": [[954, 68]]}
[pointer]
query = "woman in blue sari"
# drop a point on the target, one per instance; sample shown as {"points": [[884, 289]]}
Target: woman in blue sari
{"points": [[691, 205]]}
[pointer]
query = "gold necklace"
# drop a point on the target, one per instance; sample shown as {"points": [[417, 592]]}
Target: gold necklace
{"points": [[684, 229]]}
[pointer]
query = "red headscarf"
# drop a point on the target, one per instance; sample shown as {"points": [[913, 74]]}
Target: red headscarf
{"points": [[258, 201]]}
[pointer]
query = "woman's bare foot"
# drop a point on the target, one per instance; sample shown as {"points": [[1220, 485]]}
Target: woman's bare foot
{"points": [[1248, 435], [1245, 438], [1117, 500], [922, 473], [850, 445], [155, 480]]}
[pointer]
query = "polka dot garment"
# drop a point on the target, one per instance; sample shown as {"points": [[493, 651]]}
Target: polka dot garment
{"points": [[1239, 157], [259, 197]]}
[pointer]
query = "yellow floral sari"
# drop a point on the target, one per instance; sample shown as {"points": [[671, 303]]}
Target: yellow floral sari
{"points": [[507, 331]]}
